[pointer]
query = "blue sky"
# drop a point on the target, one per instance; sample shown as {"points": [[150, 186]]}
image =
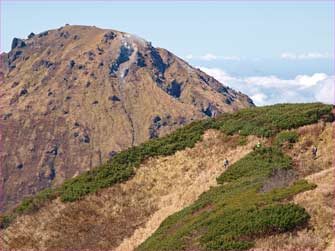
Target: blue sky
{"points": [[241, 39]]}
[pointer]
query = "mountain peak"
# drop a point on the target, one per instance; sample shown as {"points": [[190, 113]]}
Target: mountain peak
{"points": [[89, 92]]}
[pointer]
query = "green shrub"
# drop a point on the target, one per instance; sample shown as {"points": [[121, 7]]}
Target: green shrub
{"points": [[286, 137], [246, 224], [260, 121], [269, 120], [259, 163], [242, 141], [34, 203], [232, 215], [222, 244], [6, 220]]}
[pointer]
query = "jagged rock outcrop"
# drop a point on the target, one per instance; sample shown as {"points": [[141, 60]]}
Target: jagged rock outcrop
{"points": [[72, 96]]}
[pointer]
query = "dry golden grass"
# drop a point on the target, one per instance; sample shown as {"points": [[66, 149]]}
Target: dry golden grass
{"points": [[59, 96], [123, 216], [183, 177], [319, 202], [321, 135]]}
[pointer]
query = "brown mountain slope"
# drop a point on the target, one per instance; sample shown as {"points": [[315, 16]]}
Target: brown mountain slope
{"points": [[319, 202], [72, 97], [123, 216]]}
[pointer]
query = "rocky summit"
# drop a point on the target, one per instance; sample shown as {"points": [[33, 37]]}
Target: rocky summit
{"points": [[74, 97]]}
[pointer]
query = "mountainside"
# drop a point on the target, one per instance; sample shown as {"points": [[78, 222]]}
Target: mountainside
{"points": [[174, 193], [72, 98]]}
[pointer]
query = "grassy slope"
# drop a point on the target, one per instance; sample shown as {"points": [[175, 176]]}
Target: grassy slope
{"points": [[263, 121], [230, 216], [317, 202]]}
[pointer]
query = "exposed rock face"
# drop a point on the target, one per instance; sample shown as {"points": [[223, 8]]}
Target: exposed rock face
{"points": [[71, 96], [18, 43]]}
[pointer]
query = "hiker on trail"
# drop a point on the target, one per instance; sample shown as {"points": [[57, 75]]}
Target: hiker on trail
{"points": [[258, 145], [225, 163], [314, 152]]}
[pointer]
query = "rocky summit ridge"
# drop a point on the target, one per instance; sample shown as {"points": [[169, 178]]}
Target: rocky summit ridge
{"points": [[75, 96]]}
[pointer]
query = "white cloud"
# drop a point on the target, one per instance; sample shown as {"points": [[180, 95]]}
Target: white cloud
{"points": [[288, 55], [300, 81], [314, 55], [266, 90], [259, 98], [208, 57], [219, 74], [306, 81], [309, 55], [325, 93], [212, 57], [231, 58]]}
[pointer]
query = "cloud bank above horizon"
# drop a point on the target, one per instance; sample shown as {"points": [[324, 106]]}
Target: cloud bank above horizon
{"points": [[309, 55], [209, 56], [267, 90]]}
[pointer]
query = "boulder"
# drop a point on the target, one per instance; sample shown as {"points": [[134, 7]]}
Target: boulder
{"points": [[18, 43], [140, 61], [154, 127], [31, 35], [72, 64], [174, 89], [210, 110], [53, 151], [45, 33], [85, 139], [156, 119], [64, 34], [114, 98], [23, 92], [13, 55], [109, 36], [6, 116], [112, 154]]}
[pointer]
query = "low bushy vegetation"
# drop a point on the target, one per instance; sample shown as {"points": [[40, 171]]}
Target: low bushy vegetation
{"points": [[269, 120], [261, 121], [232, 215], [260, 163], [289, 137], [5, 220], [32, 204]]}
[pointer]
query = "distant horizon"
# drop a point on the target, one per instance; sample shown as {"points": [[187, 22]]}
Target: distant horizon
{"points": [[276, 52]]}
